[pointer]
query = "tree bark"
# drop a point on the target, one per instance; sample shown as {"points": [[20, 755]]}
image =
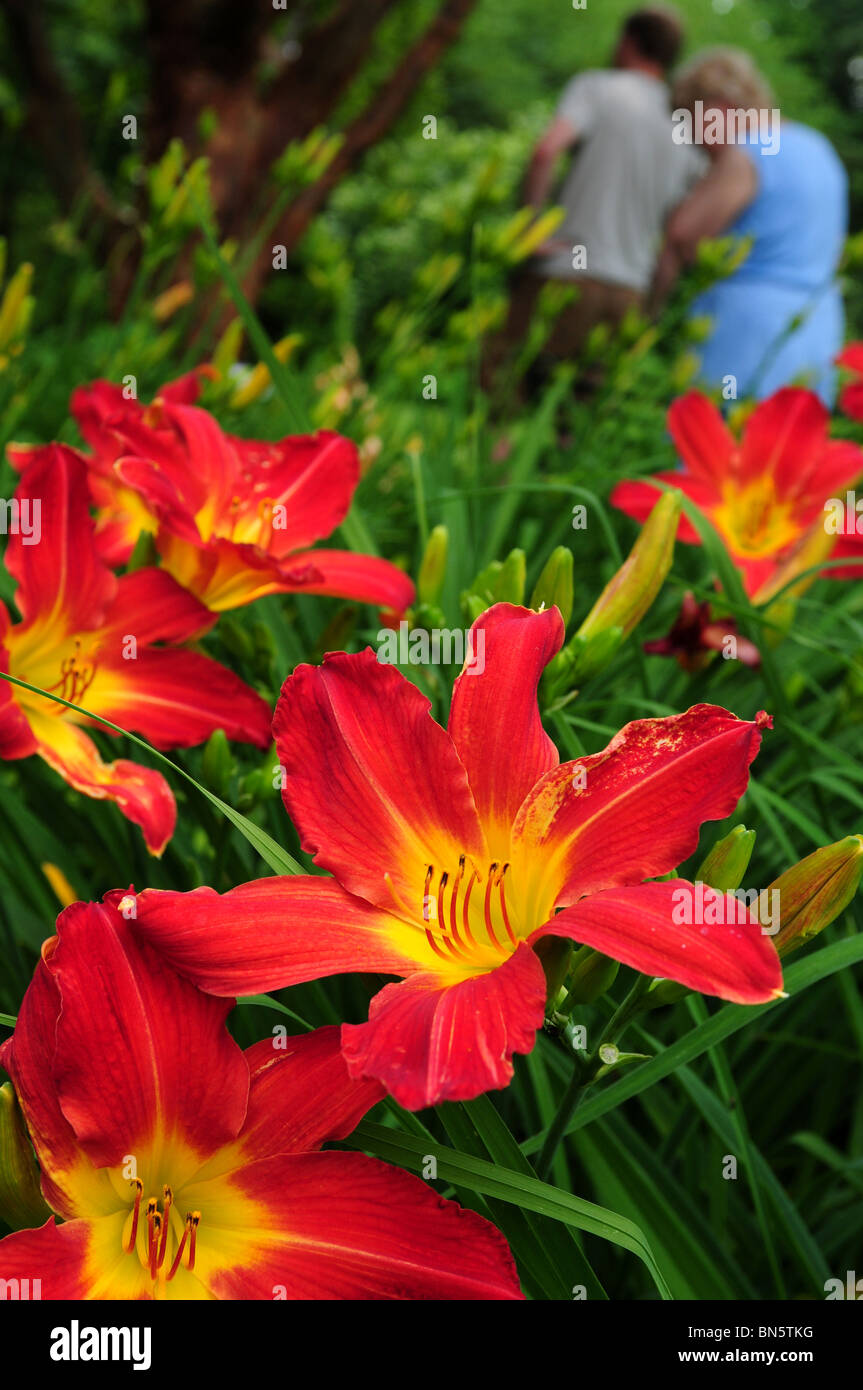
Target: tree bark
{"points": [[53, 121], [208, 54], [221, 56], [369, 127]]}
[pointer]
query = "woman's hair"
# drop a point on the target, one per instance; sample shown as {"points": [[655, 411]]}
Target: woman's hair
{"points": [[719, 75]]}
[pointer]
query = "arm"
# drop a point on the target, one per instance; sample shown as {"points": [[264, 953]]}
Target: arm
{"points": [[712, 206], [559, 136]]}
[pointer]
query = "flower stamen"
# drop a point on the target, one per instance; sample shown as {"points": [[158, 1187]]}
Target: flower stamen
{"points": [[180, 1248], [163, 1244], [154, 1232], [133, 1234], [509, 931], [488, 887], [454, 940], [195, 1219]]}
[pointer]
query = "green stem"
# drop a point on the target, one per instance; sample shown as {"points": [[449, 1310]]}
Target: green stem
{"points": [[559, 1125], [582, 1076], [625, 1012]]}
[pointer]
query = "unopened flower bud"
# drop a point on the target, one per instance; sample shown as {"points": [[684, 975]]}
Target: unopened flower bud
{"points": [[21, 1201]]}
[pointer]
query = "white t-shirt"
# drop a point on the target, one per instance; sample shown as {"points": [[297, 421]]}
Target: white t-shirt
{"points": [[626, 176]]}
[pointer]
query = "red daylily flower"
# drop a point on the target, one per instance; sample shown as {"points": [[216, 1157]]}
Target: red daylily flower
{"points": [[454, 851], [764, 493], [851, 395], [183, 1167], [88, 636], [233, 518], [100, 410]]}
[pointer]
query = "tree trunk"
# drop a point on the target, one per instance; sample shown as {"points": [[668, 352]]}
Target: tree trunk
{"points": [[369, 127], [53, 122], [222, 56], [209, 56]]}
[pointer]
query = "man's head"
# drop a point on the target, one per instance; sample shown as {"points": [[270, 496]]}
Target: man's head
{"points": [[650, 40]]}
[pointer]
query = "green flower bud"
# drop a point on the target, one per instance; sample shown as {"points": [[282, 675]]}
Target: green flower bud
{"points": [[21, 1202], [814, 891], [433, 567], [554, 588], [217, 763], [728, 861], [591, 975], [629, 593], [502, 582], [580, 659], [554, 953]]}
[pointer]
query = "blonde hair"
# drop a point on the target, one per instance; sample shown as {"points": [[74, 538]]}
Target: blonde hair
{"points": [[721, 75]]}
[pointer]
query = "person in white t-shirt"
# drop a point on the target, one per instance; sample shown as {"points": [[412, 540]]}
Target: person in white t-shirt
{"points": [[626, 177]]}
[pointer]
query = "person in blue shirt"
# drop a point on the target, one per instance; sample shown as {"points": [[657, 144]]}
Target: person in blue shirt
{"points": [[778, 319]]}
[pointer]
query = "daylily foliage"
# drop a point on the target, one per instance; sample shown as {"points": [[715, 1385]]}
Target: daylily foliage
{"points": [[460, 861]]}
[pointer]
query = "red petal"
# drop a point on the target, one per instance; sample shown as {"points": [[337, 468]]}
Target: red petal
{"points": [[494, 697], [96, 407], [84, 1259], [101, 409], [783, 436], [179, 462], [344, 1226], [223, 574], [851, 357], [851, 400], [343, 574], [313, 476], [175, 698], [636, 926], [428, 1043], [374, 785], [850, 547], [69, 1182], [756, 573], [62, 583], [142, 795], [703, 440], [54, 1255], [268, 934], [837, 464], [185, 390], [209, 461], [115, 539], [163, 491], [22, 455], [16, 736], [151, 606], [301, 1095], [639, 813], [143, 1057], [637, 499]]}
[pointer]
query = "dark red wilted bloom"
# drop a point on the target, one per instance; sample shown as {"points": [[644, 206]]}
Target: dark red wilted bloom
{"points": [[696, 634]]}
